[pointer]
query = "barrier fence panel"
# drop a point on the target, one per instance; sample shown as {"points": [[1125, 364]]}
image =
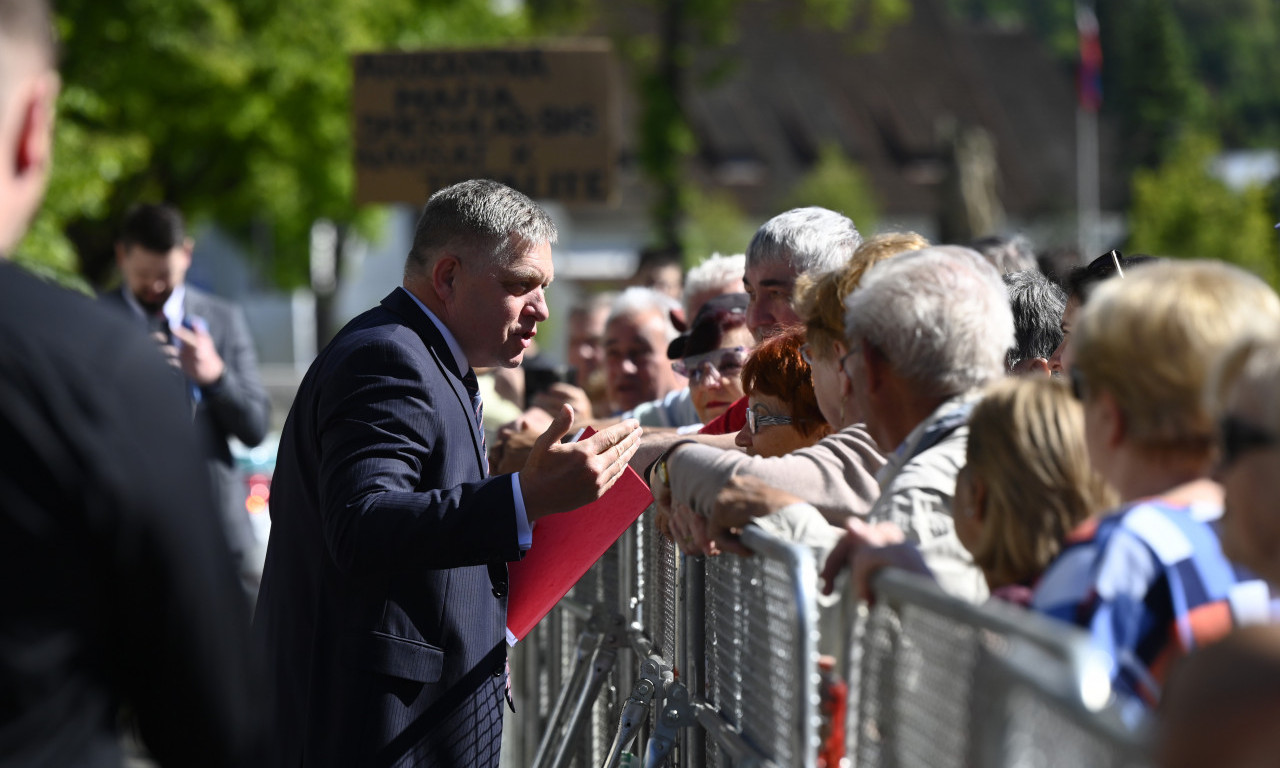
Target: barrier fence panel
{"points": [[760, 669], [922, 697], [1037, 727], [696, 662]]}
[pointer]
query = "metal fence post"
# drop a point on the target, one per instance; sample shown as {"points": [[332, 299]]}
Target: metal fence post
{"points": [[692, 748]]}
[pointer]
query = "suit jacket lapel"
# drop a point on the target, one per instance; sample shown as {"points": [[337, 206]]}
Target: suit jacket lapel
{"points": [[404, 308]]}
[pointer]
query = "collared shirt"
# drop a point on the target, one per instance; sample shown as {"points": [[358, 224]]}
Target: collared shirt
{"points": [[523, 529], [173, 315], [172, 305], [917, 488]]}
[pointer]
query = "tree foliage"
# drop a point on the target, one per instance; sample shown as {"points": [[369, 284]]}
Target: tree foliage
{"points": [[713, 223], [1180, 209], [838, 183], [237, 111], [1207, 65], [702, 29]]}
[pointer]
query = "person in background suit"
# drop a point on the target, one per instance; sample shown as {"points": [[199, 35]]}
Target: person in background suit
{"points": [[383, 601], [208, 341], [118, 589]]}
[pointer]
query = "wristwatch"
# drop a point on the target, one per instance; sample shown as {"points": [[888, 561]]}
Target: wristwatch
{"points": [[660, 466]]}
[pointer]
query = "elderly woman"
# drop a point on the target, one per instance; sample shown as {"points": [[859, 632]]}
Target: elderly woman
{"points": [[782, 410], [712, 353], [1149, 580], [837, 474]]}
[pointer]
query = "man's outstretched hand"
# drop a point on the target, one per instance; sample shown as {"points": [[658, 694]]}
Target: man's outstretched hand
{"points": [[560, 477]]}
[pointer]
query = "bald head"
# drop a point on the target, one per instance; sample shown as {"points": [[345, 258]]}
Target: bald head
{"points": [[28, 91], [26, 37]]}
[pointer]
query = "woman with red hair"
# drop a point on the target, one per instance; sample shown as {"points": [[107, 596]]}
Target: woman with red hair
{"points": [[782, 410]]}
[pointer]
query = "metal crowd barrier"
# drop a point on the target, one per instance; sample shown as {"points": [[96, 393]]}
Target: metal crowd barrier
{"points": [[945, 683], [663, 656], [1035, 726], [711, 663]]}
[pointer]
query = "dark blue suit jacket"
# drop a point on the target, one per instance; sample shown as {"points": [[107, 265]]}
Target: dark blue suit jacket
{"points": [[383, 602]]}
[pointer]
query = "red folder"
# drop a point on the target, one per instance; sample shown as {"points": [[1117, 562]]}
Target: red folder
{"points": [[565, 546]]}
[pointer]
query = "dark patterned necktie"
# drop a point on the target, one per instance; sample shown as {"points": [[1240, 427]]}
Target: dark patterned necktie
{"points": [[477, 405]]}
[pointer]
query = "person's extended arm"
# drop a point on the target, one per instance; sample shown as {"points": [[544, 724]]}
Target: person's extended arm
{"points": [[837, 475]]}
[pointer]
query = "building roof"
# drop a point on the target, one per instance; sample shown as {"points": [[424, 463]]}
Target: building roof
{"points": [[791, 88]]}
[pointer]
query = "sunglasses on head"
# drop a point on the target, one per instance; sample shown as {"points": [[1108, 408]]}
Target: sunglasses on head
{"points": [[718, 363], [758, 416], [1237, 437]]}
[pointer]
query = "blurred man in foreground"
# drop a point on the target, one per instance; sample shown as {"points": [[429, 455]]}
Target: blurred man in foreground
{"points": [[118, 587]]}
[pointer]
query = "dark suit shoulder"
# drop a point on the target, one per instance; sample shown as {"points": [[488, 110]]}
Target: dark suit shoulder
{"points": [[49, 322]]}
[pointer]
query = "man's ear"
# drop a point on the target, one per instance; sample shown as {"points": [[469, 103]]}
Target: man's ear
{"points": [[876, 366], [444, 276], [1035, 367], [34, 150]]}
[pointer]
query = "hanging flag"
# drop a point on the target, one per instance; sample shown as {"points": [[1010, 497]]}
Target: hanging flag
{"points": [[1089, 72]]}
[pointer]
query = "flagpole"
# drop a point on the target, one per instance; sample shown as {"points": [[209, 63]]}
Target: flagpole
{"points": [[1088, 102], [1087, 180]]}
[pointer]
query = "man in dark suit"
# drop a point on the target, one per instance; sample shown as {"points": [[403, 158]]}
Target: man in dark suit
{"points": [[207, 340], [383, 602], [117, 587]]}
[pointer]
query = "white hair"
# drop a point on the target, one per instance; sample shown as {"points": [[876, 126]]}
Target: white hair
{"points": [[714, 272], [639, 300], [940, 316], [810, 239]]}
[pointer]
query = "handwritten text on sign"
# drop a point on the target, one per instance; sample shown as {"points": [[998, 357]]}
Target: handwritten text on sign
{"points": [[540, 120]]}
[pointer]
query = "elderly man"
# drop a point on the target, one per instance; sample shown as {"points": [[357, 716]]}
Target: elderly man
{"points": [[925, 331], [639, 380], [791, 244]]}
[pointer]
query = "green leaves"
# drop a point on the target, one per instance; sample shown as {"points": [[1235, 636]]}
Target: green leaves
{"points": [[1179, 209], [237, 111]]}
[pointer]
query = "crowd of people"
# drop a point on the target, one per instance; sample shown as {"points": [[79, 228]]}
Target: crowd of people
{"points": [[1096, 447], [1100, 447]]}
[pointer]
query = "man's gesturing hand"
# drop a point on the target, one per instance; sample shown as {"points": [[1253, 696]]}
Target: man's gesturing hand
{"points": [[558, 478]]}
